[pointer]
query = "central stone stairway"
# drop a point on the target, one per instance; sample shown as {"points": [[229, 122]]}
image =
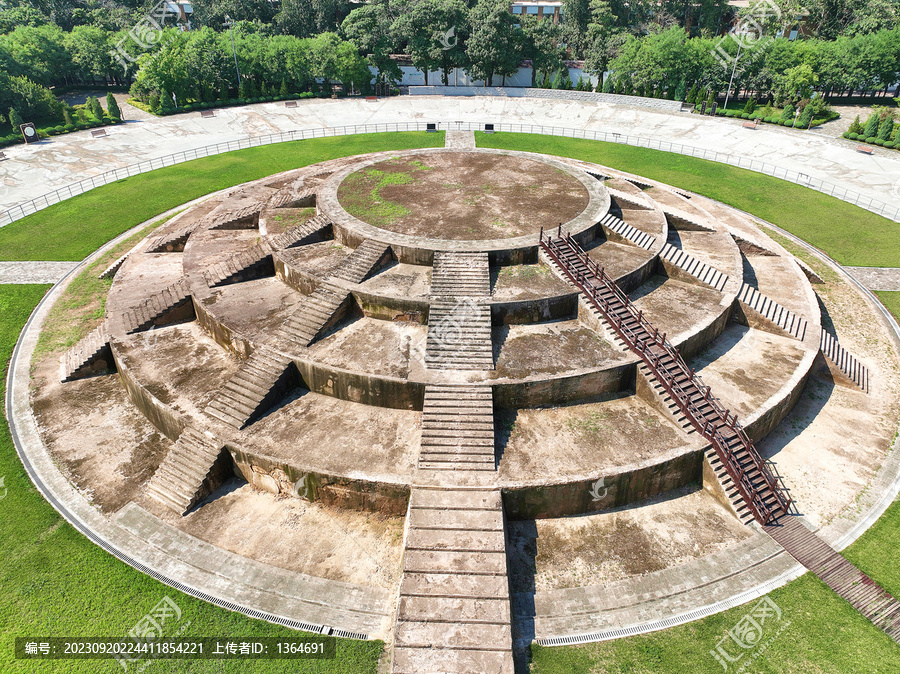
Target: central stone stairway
{"points": [[454, 612], [459, 325], [457, 428], [368, 256]]}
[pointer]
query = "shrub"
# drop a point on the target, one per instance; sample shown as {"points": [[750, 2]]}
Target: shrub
{"points": [[871, 139], [856, 127], [852, 136], [890, 144], [112, 106], [15, 119], [878, 142], [750, 105], [871, 129]]}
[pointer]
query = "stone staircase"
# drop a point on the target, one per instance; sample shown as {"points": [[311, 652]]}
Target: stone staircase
{"points": [[625, 231], [311, 231], [162, 308], [738, 505], [246, 217], [172, 241], [263, 380], [844, 361], [368, 256], [454, 611], [91, 355], [290, 199], [461, 275], [182, 478], [320, 310], [459, 336], [111, 270], [457, 428], [252, 263], [700, 270], [769, 309], [627, 197], [680, 220]]}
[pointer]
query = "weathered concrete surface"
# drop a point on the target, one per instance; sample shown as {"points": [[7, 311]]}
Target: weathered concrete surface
{"points": [[877, 278], [34, 272]]}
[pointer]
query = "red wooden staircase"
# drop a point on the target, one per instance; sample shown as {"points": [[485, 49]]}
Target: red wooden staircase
{"points": [[753, 478]]}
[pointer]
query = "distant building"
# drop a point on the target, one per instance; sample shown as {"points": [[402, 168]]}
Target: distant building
{"points": [[545, 9]]}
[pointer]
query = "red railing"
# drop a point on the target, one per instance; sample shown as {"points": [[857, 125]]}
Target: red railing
{"points": [[651, 345]]}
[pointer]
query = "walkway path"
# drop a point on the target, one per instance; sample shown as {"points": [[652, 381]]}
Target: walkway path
{"points": [[34, 272], [41, 167], [877, 278]]}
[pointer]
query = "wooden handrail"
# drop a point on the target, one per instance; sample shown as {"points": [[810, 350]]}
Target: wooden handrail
{"points": [[708, 424]]}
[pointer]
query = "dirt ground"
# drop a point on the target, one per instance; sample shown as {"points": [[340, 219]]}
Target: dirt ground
{"points": [[463, 196], [100, 441], [577, 439], [296, 535], [648, 536]]}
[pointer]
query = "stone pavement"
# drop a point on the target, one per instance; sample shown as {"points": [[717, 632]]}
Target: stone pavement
{"points": [[39, 168], [877, 278], [34, 272]]}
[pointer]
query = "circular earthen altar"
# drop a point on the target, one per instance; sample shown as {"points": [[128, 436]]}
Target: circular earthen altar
{"points": [[282, 368]]}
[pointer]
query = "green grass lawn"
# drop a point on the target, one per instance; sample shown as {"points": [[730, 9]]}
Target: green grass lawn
{"points": [[72, 229], [849, 234], [57, 583], [891, 300]]}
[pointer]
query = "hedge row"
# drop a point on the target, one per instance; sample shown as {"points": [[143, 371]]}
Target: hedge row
{"points": [[872, 140], [238, 101], [768, 120]]}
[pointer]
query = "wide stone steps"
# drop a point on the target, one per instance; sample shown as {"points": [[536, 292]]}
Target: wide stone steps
{"points": [[863, 593], [89, 356], [770, 309], [254, 262], [626, 231], [460, 275], [312, 229], [457, 428], [731, 491], [155, 307], [314, 315], [459, 337], [635, 201], [454, 612], [290, 199], [367, 257], [253, 389], [700, 270], [845, 362], [178, 482]]}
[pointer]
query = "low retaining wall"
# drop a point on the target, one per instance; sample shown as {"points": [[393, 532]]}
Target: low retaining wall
{"points": [[528, 92]]}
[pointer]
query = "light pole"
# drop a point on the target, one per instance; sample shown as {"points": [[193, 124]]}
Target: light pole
{"points": [[230, 24], [733, 68]]}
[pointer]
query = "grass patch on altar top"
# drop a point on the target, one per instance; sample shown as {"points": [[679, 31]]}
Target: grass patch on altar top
{"points": [[816, 218], [72, 229]]}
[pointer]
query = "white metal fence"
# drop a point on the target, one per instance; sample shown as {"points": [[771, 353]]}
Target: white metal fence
{"points": [[19, 211]]}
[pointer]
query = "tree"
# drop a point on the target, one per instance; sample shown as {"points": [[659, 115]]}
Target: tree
{"points": [[15, 119], [370, 29], [96, 108], [871, 125], [787, 114], [541, 45], [434, 32], [681, 90], [601, 37], [112, 107], [886, 126], [38, 53], [307, 18], [576, 18], [856, 127], [609, 85], [495, 44]]}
